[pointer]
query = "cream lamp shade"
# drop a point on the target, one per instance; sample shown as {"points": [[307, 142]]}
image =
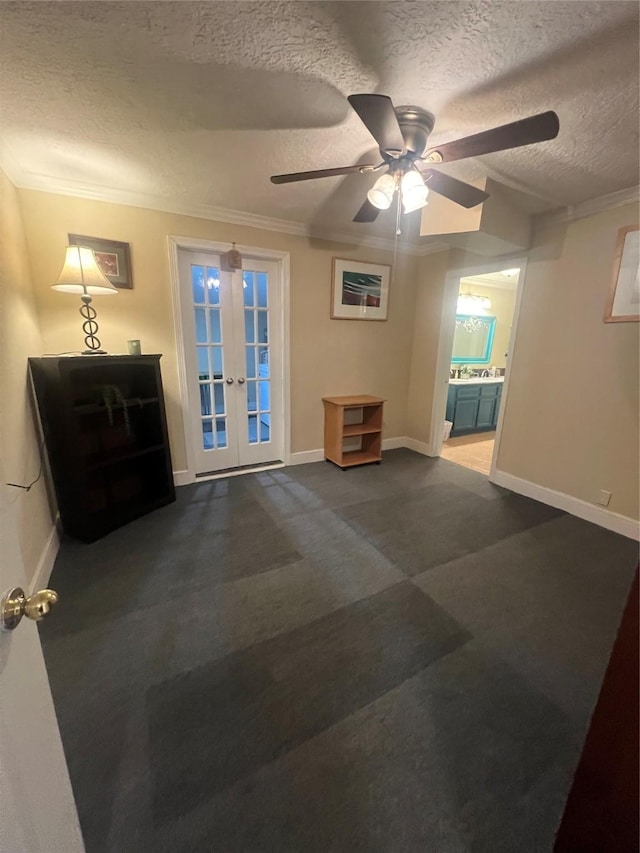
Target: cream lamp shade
{"points": [[81, 274]]}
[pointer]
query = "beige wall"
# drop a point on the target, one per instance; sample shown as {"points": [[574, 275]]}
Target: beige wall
{"points": [[432, 270], [19, 338], [327, 356], [571, 418], [503, 303], [571, 422]]}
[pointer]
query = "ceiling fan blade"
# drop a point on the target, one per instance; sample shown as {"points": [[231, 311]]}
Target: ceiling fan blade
{"points": [[453, 189], [318, 173], [379, 117], [367, 213], [536, 128]]}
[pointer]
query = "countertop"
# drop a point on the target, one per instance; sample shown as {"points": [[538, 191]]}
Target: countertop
{"points": [[476, 380]]}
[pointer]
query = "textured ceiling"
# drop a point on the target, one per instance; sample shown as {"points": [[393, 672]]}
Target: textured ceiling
{"points": [[199, 103]]}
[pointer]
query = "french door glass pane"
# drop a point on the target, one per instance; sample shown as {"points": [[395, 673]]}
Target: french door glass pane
{"points": [[213, 285], [218, 397], [262, 290], [263, 357], [252, 404], [205, 399], [197, 283], [201, 326], [207, 435], [251, 362], [249, 327], [216, 355], [221, 432], [248, 289], [203, 363], [253, 429], [265, 396], [214, 322], [263, 327]]}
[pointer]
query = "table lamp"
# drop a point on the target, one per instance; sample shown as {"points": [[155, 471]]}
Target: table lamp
{"points": [[81, 274]]}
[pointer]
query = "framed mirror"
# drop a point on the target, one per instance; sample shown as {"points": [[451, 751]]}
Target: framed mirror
{"points": [[473, 339]]}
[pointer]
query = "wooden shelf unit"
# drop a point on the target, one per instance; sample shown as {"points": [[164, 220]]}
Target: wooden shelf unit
{"points": [[368, 429]]}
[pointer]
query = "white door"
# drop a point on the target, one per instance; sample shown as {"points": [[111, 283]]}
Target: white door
{"points": [[38, 813], [233, 355]]}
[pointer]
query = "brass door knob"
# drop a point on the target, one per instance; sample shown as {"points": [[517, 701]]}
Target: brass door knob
{"points": [[15, 604]]}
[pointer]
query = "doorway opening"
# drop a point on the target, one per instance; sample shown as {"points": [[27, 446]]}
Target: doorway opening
{"points": [[478, 334]]}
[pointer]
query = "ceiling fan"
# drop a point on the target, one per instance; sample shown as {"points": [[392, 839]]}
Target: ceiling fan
{"points": [[402, 135]]}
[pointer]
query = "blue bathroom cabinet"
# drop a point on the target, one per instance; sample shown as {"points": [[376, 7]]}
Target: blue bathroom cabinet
{"points": [[473, 407]]}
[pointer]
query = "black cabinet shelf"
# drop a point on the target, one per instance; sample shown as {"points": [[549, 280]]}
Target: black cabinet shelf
{"points": [[100, 408], [107, 460], [105, 428]]}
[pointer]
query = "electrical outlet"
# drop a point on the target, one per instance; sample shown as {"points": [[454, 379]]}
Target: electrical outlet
{"points": [[603, 497]]}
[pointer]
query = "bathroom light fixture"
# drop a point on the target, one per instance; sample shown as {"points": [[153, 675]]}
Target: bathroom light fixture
{"points": [[468, 303], [80, 274]]}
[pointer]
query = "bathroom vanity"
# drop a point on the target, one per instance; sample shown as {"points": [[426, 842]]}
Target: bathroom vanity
{"points": [[473, 404]]}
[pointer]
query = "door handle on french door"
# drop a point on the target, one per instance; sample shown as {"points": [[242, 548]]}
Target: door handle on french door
{"points": [[229, 380], [241, 380]]}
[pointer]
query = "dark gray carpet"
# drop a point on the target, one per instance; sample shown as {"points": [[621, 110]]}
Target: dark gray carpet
{"points": [[392, 658]]}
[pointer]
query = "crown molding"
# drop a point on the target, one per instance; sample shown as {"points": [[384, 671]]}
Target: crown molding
{"points": [[60, 186], [591, 207], [148, 201], [10, 166]]}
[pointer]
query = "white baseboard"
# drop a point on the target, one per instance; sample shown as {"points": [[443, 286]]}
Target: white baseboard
{"points": [[182, 478], [40, 579], [306, 456], [589, 512], [394, 443], [419, 446], [303, 457]]}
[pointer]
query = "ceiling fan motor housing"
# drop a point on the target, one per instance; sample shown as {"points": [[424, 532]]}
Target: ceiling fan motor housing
{"points": [[416, 124]]}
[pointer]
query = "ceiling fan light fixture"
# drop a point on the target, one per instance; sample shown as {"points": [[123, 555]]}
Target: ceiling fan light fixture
{"points": [[381, 193], [414, 191]]}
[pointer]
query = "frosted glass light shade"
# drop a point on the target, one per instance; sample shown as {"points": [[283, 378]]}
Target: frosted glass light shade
{"points": [[381, 193], [414, 191], [81, 274]]}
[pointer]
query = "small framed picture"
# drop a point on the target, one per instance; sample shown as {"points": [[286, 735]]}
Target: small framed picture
{"points": [[360, 291], [624, 299], [113, 258]]}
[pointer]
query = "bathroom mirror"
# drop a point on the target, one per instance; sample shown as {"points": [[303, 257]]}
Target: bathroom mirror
{"points": [[473, 339]]}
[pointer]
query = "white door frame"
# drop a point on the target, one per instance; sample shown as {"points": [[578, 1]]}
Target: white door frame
{"points": [[445, 348], [176, 243]]}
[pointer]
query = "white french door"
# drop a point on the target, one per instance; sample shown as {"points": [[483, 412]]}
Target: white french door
{"points": [[232, 335]]}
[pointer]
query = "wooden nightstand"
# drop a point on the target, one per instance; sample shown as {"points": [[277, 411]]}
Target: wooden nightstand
{"points": [[368, 429]]}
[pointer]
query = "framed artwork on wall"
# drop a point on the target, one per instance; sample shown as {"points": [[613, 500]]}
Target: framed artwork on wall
{"points": [[113, 258], [359, 291], [624, 299]]}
